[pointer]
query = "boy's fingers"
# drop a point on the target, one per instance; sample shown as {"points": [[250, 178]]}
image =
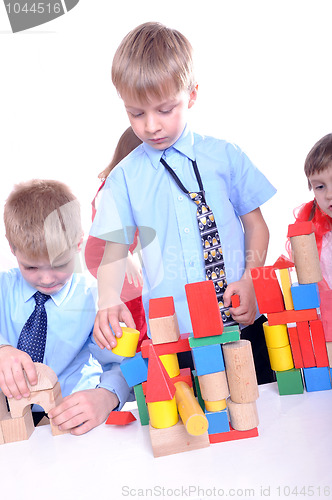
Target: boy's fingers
{"points": [[30, 371]]}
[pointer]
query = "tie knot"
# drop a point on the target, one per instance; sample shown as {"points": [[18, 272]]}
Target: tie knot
{"points": [[41, 298]]}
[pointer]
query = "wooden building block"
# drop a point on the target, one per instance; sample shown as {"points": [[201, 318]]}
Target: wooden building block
{"points": [[232, 435], [295, 345], [305, 296], [318, 342], [275, 336], [305, 344], [218, 421], [190, 411], [329, 352], [267, 290], [141, 405], [214, 406], [175, 439], [281, 358], [230, 334], [120, 418], [159, 385], [326, 312], [285, 281], [290, 382], [164, 330], [161, 307], [46, 378], [208, 359], [235, 300], [163, 413], [283, 262], [242, 416], [204, 309], [17, 429], [214, 386], [171, 364], [240, 369], [126, 345], [185, 376], [181, 345], [285, 317], [198, 390], [317, 379], [135, 370], [305, 255]]}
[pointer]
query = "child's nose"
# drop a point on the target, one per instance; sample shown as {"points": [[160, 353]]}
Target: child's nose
{"points": [[151, 124], [47, 278]]}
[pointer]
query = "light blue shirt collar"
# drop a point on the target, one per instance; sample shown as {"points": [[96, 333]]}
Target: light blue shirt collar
{"points": [[58, 298], [184, 145]]}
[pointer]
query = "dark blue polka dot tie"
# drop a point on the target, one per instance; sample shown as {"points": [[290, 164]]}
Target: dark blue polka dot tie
{"points": [[33, 335]]}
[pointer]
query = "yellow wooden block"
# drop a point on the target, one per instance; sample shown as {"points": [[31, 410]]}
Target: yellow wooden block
{"points": [[276, 335], [215, 405], [127, 344], [286, 288], [281, 358], [163, 413], [171, 364], [190, 411]]}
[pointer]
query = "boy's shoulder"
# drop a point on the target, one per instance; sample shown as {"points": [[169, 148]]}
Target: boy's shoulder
{"points": [[12, 277]]}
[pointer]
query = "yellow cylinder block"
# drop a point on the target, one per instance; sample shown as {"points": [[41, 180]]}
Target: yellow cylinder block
{"points": [[163, 413], [215, 405], [190, 411], [281, 358], [127, 344], [171, 364], [276, 335]]}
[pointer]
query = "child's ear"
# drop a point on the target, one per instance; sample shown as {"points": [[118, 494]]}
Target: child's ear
{"points": [[193, 96]]}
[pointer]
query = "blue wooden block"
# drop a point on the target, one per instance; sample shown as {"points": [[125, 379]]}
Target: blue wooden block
{"points": [[305, 296], [135, 370], [317, 378], [218, 421], [208, 359]]}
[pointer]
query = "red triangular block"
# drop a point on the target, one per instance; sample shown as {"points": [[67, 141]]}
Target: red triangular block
{"points": [[120, 418], [159, 386], [283, 262]]}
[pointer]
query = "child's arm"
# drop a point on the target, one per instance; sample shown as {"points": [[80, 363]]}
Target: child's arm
{"points": [[134, 270], [112, 310], [256, 243], [12, 364]]}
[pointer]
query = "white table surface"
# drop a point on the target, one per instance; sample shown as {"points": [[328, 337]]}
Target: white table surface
{"points": [[293, 450]]}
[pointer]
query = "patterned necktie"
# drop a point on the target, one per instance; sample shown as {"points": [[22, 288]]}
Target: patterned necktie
{"points": [[213, 256], [33, 335]]}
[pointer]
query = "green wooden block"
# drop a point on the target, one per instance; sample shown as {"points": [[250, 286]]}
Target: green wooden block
{"points": [[198, 390], [290, 382], [141, 405], [230, 334]]}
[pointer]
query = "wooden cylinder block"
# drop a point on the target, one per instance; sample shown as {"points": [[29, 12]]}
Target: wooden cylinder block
{"points": [[171, 364], [306, 259], [244, 416], [190, 411], [214, 386], [163, 413], [276, 335], [215, 405], [127, 344], [240, 369], [281, 359]]}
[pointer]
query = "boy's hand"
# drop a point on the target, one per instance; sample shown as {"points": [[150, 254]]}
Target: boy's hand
{"points": [[82, 411], [108, 319], [13, 364], [134, 270], [246, 312]]}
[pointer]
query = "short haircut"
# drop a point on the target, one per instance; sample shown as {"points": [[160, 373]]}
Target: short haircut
{"points": [[319, 157], [42, 218], [153, 61]]}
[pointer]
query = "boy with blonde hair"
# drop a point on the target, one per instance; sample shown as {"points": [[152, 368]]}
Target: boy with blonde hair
{"points": [[43, 228], [153, 190]]}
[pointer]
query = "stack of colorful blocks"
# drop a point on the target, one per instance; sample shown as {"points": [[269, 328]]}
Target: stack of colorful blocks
{"points": [[298, 329]]}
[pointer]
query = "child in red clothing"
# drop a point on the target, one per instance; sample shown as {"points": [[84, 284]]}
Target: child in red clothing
{"points": [[132, 288]]}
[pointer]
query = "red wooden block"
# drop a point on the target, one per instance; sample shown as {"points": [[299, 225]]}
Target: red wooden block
{"points": [[283, 263], [203, 309], [161, 307], [326, 312], [291, 316], [235, 300], [295, 346], [185, 376], [120, 418], [182, 345], [300, 228], [318, 341], [159, 386], [305, 344], [267, 289], [232, 435]]}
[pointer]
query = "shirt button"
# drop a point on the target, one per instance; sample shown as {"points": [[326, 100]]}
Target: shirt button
{"points": [[186, 230], [180, 198]]}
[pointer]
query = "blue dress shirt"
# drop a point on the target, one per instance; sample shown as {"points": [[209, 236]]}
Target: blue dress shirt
{"points": [[140, 192], [70, 349]]}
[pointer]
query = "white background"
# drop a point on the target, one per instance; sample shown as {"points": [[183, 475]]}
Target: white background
{"points": [[264, 74]]}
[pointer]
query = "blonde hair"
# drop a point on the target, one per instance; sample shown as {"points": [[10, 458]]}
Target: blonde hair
{"points": [[127, 142], [42, 218], [153, 60]]}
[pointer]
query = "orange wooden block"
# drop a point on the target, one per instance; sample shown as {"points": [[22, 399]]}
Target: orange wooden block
{"points": [[306, 345], [232, 435], [120, 418], [267, 290], [284, 317], [161, 307], [295, 346], [181, 345], [204, 310], [318, 341]]}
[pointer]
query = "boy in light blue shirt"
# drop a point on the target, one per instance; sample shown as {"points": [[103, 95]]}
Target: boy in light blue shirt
{"points": [[43, 228], [153, 74]]}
